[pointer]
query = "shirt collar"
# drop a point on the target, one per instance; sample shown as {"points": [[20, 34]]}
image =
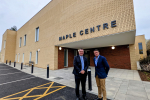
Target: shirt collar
{"points": [[98, 57], [80, 56]]}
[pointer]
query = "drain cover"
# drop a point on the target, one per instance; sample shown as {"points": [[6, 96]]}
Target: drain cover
{"points": [[58, 78], [65, 68]]}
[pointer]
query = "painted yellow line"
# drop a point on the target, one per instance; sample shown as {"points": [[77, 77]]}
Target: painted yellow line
{"points": [[50, 93], [23, 91], [48, 88], [34, 88]]}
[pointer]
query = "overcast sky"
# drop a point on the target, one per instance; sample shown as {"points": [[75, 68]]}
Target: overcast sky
{"points": [[18, 12]]}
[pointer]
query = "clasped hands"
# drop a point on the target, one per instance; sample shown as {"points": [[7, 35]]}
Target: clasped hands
{"points": [[82, 72]]}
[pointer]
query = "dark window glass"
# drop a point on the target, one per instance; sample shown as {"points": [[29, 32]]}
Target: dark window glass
{"points": [[140, 48]]}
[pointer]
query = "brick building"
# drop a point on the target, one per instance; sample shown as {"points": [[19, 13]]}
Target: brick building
{"points": [[57, 31]]}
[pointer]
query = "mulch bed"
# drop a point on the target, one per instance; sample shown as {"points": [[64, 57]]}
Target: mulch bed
{"points": [[145, 76]]}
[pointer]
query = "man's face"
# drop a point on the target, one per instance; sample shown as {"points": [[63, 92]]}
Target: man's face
{"points": [[81, 52], [96, 53]]}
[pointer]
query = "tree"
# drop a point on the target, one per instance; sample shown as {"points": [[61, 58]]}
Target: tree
{"points": [[14, 28], [148, 52]]}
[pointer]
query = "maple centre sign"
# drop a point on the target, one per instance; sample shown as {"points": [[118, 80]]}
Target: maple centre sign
{"points": [[87, 31]]}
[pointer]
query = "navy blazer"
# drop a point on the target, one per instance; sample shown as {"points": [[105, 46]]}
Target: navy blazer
{"points": [[77, 65], [102, 67]]}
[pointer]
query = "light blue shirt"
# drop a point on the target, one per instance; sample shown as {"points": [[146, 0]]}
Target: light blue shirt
{"points": [[96, 60], [82, 62]]}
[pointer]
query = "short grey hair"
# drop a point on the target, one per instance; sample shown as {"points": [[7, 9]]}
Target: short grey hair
{"points": [[80, 49]]}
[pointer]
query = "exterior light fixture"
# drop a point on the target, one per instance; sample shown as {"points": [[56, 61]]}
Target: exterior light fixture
{"points": [[60, 48], [112, 47]]}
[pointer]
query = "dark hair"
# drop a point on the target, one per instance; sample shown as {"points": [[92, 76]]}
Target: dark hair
{"points": [[96, 50]]}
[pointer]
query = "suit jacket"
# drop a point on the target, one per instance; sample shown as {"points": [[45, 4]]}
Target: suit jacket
{"points": [[77, 65], [102, 67]]}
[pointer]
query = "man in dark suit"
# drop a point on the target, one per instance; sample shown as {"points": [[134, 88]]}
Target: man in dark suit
{"points": [[101, 72], [80, 72]]}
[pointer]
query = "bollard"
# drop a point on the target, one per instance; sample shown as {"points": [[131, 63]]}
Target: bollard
{"points": [[21, 66], [6, 61], [10, 62], [47, 71], [14, 63], [89, 79], [32, 68]]}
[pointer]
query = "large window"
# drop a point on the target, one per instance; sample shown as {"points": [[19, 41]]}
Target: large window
{"points": [[25, 39], [37, 34], [4, 44], [20, 41], [18, 57], [140, 48], [36, 57], [30, 56], [23, 58]]}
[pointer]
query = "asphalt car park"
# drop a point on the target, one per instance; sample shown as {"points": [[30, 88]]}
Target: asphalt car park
{"points": [[18, 85]]}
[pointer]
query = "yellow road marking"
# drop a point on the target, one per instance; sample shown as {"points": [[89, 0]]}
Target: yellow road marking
{"points": [[34, 88]]}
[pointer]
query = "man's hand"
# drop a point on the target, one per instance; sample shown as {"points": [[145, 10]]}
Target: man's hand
{"points": [[82, 72]]}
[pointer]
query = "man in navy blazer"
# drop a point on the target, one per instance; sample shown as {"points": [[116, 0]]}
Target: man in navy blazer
{"points": [[101, 72], [80, 72]]}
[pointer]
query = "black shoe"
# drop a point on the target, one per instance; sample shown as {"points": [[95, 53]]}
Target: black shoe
{"points": [[85, 98], [78, 98], [99, 99]]}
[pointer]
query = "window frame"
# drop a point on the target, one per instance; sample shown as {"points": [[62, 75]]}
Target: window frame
{"points": [[140, 50], [37, 34], [25, 39], [23, 58], [36, 61], [20, 40], [18, 57], [30, 57], [4, 44]]}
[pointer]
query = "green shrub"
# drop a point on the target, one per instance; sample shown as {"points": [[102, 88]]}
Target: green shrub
{"points": [[145, 60]]}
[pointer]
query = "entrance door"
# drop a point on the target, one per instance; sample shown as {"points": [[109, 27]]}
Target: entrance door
{"points": [[87, 55], [65, 57]]}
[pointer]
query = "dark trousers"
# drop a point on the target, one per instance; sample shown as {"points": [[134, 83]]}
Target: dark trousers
{"points": [[82, 79]]}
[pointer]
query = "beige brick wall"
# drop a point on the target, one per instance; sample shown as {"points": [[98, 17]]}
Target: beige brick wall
{"points": [[134, 51], [0, 56], [140, 39], [62, 17], [9, 51], [2, 47]]}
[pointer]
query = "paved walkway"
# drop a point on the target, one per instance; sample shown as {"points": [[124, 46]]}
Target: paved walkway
{"points": [[121, 84]]}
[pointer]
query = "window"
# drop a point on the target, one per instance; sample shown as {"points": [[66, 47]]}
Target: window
{"points": [[3, 58], [36, 57], [25, 39], [23, 58], [20, 42], [140, 48], [30, 56], [4, 44], [37, 34], [18, 57]]}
